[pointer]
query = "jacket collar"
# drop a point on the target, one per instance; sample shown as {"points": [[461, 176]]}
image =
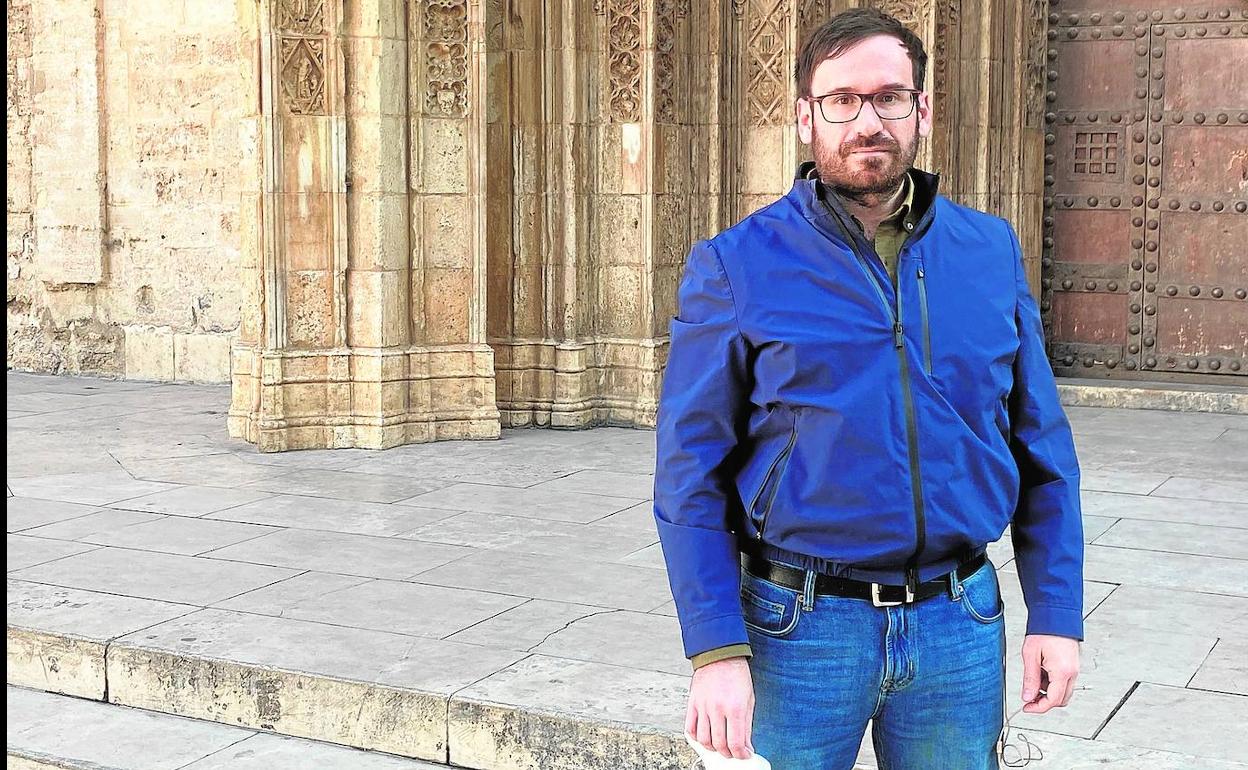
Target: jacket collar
{"points": [[825, 211]]}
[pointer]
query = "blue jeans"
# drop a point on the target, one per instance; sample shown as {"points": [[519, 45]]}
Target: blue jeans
{"points": [[929, 676]]}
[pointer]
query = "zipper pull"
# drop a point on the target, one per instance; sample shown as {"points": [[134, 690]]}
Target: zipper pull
{"points": [[920, 273], [898, 335]]}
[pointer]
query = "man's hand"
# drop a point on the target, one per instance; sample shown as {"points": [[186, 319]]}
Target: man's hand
{"points": [[721, 707], [1050, 667]]}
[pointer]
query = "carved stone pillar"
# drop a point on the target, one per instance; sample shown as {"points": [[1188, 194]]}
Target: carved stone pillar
{"points": [[987, 71], [365, 326]]}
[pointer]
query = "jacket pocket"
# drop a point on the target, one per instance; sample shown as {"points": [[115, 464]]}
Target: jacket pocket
{"points": [[760, 506]]}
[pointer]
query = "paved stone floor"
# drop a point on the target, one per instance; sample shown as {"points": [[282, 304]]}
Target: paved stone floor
{"points": [[528, 570]]}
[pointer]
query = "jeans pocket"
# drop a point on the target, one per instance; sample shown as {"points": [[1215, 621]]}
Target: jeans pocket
{"points": [[768, 608], [980, 595]]}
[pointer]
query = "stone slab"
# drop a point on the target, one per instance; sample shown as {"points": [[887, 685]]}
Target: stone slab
{"points": [[597, 482], [22, 552], [263, 751], [149, 575], [429, 611], [345, 516], [22, 513], [1149, 608], [192, 500], [46, 727], [534, 503], [1184, 511], [563, 580], [1128, 566], [1076, 392], [638, 518], [98, 488], [47, 730], [1128, 482], [89, 528], [517, 533], [182, 535], [591, 716], [611, 637], [1226, 668], [1221, 490], [1195, 722], [1039, 750], [524, 626], [341, 485], [1171, 537], [380, 557], [367, 689]]}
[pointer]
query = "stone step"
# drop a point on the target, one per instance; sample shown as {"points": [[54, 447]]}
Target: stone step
{"points": [[466, 705], [1230, 398], [61, 731]]}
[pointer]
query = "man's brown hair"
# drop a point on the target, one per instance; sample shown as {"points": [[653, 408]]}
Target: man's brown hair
{"points": [[843, 30]]}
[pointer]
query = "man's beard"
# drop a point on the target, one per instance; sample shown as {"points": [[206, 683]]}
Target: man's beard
{"points": [[876, 175]]}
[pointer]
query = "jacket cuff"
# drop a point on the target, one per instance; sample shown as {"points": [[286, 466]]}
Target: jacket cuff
{"points": [[713, 633], [1055, 621], [721, 653]]}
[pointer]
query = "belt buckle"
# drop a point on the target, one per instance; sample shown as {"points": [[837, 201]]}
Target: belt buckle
{"points": [[875, 597]]}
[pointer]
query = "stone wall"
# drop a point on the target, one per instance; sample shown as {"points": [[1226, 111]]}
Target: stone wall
{"points": [[123, 185], [386, 222]]}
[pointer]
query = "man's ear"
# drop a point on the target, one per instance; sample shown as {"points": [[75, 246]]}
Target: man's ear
{"points": [[805, 117], [925, 114]]}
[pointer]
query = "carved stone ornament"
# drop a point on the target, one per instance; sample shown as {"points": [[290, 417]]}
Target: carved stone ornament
{"points": [[301, 17], [767, 68], [666, 15], [446, 58], [911, 13], [303, 75], [624, 59]]}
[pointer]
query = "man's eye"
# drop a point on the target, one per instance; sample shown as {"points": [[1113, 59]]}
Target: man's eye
{"points": [[888, 97], [842, 100]]}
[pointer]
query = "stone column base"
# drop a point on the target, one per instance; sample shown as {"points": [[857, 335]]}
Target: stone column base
{"points": [[579, 385], [370, 399]]}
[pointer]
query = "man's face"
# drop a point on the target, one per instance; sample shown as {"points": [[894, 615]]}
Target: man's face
{"points": [[867, 154]]}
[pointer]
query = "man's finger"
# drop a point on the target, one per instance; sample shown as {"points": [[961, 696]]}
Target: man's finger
{"points": [[1070, 689], [704, 728], [1031, 674], [1059, 687], [737, 735], [749, 725], [719, 734], [691, 719]]}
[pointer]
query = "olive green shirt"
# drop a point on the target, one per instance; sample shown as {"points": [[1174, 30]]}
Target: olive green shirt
{"points": [[889, 236]]}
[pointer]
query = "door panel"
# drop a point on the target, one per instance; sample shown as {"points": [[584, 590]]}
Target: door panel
{"points": [[1145, 264]]}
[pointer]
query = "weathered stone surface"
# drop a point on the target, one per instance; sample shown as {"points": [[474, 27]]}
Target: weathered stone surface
{"points": [[49, 731], [368, 689], [581, 723]]}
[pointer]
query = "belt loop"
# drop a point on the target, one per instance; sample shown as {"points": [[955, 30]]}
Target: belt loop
{"points": [[955, 585], [808, 591]]}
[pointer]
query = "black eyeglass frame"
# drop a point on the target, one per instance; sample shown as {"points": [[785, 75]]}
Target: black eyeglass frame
{"points": [[862, 99]]}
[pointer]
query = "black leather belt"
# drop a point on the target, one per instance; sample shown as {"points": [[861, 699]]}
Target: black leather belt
{"points": [[879, 594]]}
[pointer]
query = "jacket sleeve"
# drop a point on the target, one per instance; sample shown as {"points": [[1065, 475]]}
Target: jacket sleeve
{"points": [[701, 404], [1047, 527]]}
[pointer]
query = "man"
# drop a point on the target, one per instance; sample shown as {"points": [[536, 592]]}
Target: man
{"points": [[857, 401]]}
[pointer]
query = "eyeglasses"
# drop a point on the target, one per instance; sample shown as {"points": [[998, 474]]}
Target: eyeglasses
{"points": [[844, 106]]}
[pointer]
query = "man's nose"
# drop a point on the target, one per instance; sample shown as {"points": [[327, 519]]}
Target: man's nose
{"points": [[868, 122]]}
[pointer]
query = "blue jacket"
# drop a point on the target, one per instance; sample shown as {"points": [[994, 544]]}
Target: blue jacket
{"points": [[812, 412]]}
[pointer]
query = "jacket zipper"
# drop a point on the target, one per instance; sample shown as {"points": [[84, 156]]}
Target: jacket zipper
{"points": [[788, 447], [912, 439], [927, 332]]}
